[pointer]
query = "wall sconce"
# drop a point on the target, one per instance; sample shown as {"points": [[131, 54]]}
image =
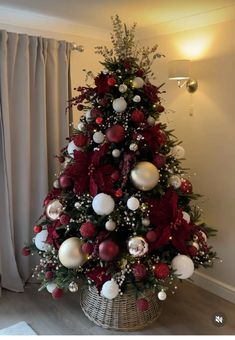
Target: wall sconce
{"points": [[179, 70]]}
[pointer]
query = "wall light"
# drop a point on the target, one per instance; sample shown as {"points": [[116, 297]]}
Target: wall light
{"points": [[179, 70]]}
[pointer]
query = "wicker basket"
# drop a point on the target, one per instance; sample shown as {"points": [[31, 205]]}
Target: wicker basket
{"points": [[120, 313]]}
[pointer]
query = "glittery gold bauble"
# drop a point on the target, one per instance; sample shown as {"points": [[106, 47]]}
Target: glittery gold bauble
{"points": [[137, 246], [70, 253], [144, 176]]}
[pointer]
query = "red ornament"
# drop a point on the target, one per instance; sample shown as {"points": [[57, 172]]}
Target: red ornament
{"points": [[96, 112], [61, 159], [64, 219], [139, 271], [115, 134], [142, 305], [80, 140], [49, 275], [192, 251], [139, 73], [87, 230], [115, 176], [186, 187], [46, 201], [103, 101], [137, 116], [111, 81], [57, 293], [65, 181], [108, 250], [159, 160], [37, 229], [160, 108], [87, 248], [119, 193], [99, 120], [80, 107], [161, 271], [26, 251], [151, 236]]}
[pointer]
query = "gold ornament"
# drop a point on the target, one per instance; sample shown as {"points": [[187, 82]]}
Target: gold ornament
{"points": [[137, 246], [70, 253], [144, 176]]}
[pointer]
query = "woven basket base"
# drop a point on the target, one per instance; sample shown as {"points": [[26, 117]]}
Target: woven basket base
{"points": [[120, 313]]}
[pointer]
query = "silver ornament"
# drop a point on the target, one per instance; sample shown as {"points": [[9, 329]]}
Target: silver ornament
{"points": [[54, 209], [136, 99], [122, 88], [137, 246], [73, 287], [133, 147]]}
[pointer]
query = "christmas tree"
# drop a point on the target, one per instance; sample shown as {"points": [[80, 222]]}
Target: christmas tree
{"points": [[121, 210]]}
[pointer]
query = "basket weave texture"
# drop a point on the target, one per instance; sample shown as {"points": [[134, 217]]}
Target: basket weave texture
{"points": [[120, 313]]}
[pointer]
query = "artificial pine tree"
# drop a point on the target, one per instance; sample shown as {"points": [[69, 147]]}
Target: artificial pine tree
{"points": [[121, 209]]}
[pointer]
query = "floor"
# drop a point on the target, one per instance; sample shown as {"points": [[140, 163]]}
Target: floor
{"points": [[189, 311]]}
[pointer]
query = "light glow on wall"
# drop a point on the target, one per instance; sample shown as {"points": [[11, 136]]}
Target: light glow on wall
{"points": [[194, 47]]}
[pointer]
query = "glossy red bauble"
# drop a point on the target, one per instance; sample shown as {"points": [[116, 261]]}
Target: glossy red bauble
{"points": [[80, 140], [137, 116], [57, 293], [115, 134], [186, 187], [99, 120], [119, 193], [87, 230], [111, 81], [151, 236], [139, 271], [87, 248], [37, 229], [139, 73], [108, 250], [161, 271], [142, 305], [66, 182]]}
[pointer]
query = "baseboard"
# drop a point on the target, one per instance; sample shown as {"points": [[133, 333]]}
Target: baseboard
{"points": [[217, 287]]}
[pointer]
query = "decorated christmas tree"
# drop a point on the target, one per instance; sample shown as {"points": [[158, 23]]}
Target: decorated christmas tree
{"points": [[120, 212]]}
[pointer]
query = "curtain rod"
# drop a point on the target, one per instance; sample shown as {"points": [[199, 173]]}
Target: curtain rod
{"points": [[76, 47]]}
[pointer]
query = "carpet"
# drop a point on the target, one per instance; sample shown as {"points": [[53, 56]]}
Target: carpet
{"points": [[20, 328]]}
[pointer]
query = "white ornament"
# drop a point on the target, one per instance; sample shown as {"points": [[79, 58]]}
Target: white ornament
{"points": [[178, 152], [119, 104], [136, 99], [98, 137], [151, 121], [183, 266], [110, 225], [56, 184], [137, 82], [186, 216], [133, 203], [88, 116], [110, 289], [116, 153], [161, 295], [133, 147], [175, 181], [122, 88], [145, 222], [196, 245], [66, 162], [40, 241], [51, 286], [71, 148], [73, 287], [81, 126], [103, 204]]}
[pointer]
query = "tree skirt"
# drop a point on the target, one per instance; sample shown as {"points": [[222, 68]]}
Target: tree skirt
{"points": [[20, 328]]}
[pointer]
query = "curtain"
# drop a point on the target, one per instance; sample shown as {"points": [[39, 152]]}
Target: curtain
{"points": [[34, 89]]}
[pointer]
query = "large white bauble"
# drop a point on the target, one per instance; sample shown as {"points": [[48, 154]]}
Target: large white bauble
{"points": [[183, 266], [133, 203], [70, 253], [119, 104], [71, 148], [138, 82], [110, 225], [175, 181], [161, 295], [98, 137], [103, 204], [186, 216], [110, 289], [51, 286], [88, 116], [40, 241], [178, 152], [144, 176]]}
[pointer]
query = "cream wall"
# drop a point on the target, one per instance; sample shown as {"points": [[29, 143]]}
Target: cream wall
{"points": [[205, 121]]}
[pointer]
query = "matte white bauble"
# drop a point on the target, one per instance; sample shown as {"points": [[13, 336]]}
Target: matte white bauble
{"points": [[133, 203], [119, 104], [56, 184], [178, 152], [136, 99], [122, 88], [98, 137], [71, 148], [186, 216], [151, 121], [70, 253], [161, 295], [175, 181], [103, 204], [40, 241], [183, 266], [145, 222], [133, 147], [81, 126], [51, 286], [110, 289], [138, 82], [116, 153], [88, 116], [110, 225]]}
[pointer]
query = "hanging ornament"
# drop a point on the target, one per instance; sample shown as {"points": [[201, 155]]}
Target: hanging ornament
{"points": [[51, 286], [57, 293], [77, 205], [111, 81], [118, 193], [151, 236], [70, 253], [87, 230], [186, 187], [26, 251], [161, 295], [99, 120], [175, 181], [81, 126], [53, 210], [159, 160], [178, 152], [73, 287], [115, 134], [142, 305], [133, 147], [64, 219], [160, 108], [144, 176], [136, 99], [192, 251], [37, 229], [145, 222], [137, 116], [137, 246], [137, 83], [40, 241], [103, 204], [87, 248], [108, 250], [122, 88], [88, 115], [161, 271], [49, 275], [196, 245], [116, 153], [110, 225], [186, 216], [203, 235], [151, 121], [139, 271], [65, 182], [119, 104], [183, 266], [71, 148], [56, 184], [133, 203], [80, 140], [98, 137], [110, 289]]}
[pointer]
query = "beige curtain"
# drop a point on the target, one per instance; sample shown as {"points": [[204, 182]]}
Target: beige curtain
{"points": [[34, 89]]}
